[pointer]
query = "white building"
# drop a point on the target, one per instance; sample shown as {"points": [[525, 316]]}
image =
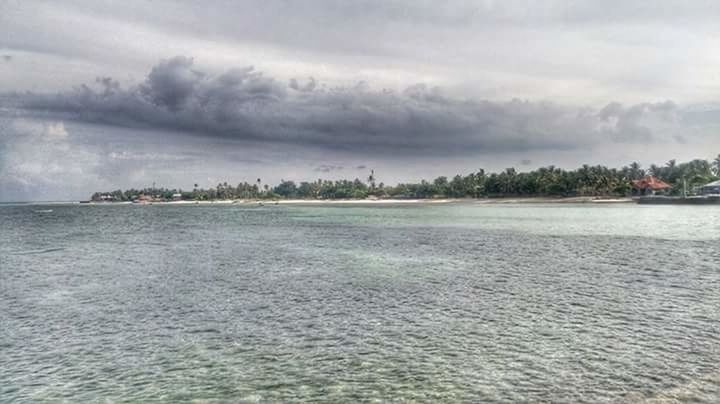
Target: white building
{"points": [[712, 188]]}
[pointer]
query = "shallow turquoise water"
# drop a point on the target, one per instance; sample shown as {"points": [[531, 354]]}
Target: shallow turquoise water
{"points": [[460, 302]]}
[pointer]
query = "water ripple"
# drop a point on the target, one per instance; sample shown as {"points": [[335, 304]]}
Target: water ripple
{"points": [[315, 304]]}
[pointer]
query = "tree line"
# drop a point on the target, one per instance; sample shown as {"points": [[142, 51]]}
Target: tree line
{"points": [[545, 181]]}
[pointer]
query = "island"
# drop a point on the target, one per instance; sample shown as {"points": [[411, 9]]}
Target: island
{"points": [[596, 183]]}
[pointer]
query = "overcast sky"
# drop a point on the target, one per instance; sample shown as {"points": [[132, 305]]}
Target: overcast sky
{"points": [[98, 95]]}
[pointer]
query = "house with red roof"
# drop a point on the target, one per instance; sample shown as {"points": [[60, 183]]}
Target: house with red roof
{"points": [[649, 185]]}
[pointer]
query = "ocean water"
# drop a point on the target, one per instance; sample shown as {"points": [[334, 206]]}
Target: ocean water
{"points": [[426, 303]]}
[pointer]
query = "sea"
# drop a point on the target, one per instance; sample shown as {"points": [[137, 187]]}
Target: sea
{"points": [[457, 302]]}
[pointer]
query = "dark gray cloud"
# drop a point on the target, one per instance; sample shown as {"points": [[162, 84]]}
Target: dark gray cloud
{"points": [[327, 168], [7, 58], [628, 121], [244, 104], [309, 86]]}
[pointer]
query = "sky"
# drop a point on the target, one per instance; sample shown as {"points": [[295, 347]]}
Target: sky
{"points": [[101, 95]]}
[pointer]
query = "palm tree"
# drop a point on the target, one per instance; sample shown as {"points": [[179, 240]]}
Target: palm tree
{"points": [[716, 166], [636, 171], [509, 181], [655, 170]]}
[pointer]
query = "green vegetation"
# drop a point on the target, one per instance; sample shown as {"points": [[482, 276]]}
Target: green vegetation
{"points": [[545, 181]]}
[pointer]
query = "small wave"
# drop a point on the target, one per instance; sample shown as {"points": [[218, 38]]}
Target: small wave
{"points": [[700, 390], [43, 210], [205, 331], [34, 252]]}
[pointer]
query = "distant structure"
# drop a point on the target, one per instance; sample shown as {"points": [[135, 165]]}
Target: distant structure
{"points": [[649, 185], [371, 179], [177, 196], [712, 188], [144, 199]]}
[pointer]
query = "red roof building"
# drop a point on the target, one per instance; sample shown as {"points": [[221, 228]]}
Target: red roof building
{"points": [[650, 185]]}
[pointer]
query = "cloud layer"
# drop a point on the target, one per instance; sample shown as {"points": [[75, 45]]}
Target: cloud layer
{"points": [[244, 104], [572, 52]]}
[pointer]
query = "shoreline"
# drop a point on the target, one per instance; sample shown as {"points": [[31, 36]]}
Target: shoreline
{"points": [[483, 201]]}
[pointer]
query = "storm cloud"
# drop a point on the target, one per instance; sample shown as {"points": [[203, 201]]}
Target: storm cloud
{"points": [[244, 104]]}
